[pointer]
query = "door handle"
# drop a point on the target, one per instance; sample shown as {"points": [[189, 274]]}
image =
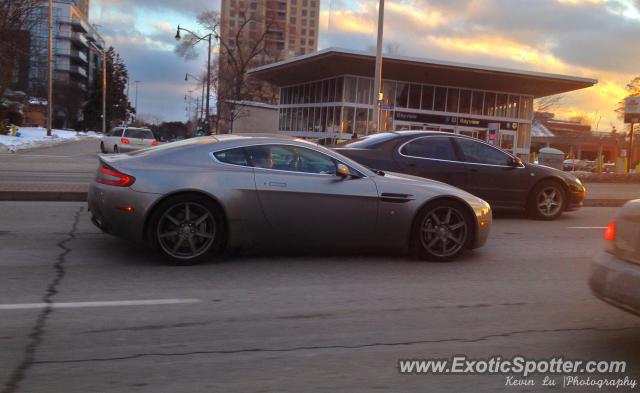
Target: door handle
{"points": [[277, 184]]}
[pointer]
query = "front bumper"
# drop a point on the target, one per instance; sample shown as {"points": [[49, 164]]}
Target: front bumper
{"points": [[616, 281], [576, 200], [107, 205]]}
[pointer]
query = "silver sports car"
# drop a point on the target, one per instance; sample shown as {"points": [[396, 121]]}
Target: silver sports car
{"points": [[194, 198]]}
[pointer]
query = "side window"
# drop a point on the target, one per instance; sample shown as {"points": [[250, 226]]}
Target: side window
{"points": [[477, 152], [117, 132], [290, 158], [435, 147], [232, 156]]}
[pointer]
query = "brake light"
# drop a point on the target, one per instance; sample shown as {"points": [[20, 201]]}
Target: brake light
{"points": [[124, 140], [112, 177], [154, 143], [610, 232]]}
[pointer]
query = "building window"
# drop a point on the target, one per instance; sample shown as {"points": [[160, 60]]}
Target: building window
{"points": [[388, 92], [292, 20], [339, 89], [501, 105], [303, 22], [489, 104], [476, 102], [303, 41], [525, 107], [414, 96], [305, 3], [514, 103], [303, 31], [311, 42], [364, 91], [465, 101], [312, 32], [361, 120], [349, 89], [313, 3], [304, 13], [453, 96], [402, 95], [440, 100], [427, 98], [347, 119], [312, 14], [253, 5]]}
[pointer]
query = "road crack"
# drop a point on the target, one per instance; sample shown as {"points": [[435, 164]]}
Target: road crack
{"points": [[355, 346], [37, 332]]}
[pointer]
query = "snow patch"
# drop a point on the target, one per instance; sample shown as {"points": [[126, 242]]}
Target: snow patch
{"points": [[31, 137]]}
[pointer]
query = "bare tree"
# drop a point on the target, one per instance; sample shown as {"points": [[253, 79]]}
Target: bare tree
{"points": [[549, 104], [16, 18]]}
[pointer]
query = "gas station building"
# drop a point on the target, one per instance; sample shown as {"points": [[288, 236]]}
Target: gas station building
{"points": [[327, 95]]}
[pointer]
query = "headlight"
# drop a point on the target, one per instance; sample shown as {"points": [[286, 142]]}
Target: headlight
{"points": [[578, 181]]}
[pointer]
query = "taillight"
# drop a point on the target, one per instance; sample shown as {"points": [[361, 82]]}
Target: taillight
{"points": [[610, 232], [154, 143], [112, 177], [124, 140]]}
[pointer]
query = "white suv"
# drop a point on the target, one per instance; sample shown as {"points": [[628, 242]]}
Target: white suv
{"points": [[124, 139]]}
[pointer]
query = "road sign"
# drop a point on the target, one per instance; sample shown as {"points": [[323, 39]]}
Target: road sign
{"points": [[632, 110]]}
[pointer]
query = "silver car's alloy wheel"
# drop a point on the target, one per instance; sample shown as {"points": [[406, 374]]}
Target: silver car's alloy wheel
{"points": [[186, 230], [549, 201], [443, 231]]}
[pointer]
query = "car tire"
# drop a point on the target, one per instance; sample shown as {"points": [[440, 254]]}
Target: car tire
{"points": [[102, 149], [187, 229], [441, 231], [115, 149], [547, 201]]}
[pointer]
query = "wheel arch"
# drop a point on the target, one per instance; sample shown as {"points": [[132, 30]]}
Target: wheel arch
{"points": [[184, 192], [449, 198]]}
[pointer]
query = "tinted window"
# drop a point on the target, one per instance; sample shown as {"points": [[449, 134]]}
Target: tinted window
{"points": [[142, 134], [233, 156], [290, 158], [430, 147], [480, 153], [117, 132], [371, 140]]}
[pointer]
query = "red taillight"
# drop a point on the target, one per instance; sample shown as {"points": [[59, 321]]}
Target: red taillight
{"points": [[111, 177], [124, 140], [154, 143], [610, 232]]}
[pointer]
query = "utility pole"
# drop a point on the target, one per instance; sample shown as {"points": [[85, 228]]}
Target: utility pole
{"points": [[137, 82], [377, 80], [104, 92], [50, 87], [630, 149]]}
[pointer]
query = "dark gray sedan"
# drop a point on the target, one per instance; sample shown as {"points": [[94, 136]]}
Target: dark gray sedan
{"points": [[473, 165], [193, 198]]}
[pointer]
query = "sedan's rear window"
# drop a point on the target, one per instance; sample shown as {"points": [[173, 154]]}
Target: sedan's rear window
{"points": [[371, 140], [140, 134]]}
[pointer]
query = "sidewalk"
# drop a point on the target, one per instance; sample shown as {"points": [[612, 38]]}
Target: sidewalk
{"points": [[598, 194]]}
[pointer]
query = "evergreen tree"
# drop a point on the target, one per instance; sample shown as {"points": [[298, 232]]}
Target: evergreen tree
{"points": [[119, 108]]}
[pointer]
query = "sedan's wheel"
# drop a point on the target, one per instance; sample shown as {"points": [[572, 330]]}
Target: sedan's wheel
{"points": [[441, 232], [115, 148], [102, 149], [187, 229], [547, 201]]}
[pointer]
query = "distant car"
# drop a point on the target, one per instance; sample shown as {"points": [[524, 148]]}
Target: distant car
{"points": [[126, 139], [615, 274], [472, 165], [195, 197]]}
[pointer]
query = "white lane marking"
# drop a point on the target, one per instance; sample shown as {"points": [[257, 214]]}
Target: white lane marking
{"points": [[118, 303], [34, 155], [587, 227]]}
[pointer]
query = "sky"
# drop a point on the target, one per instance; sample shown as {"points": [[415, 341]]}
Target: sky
{"points": [[596, 39]]}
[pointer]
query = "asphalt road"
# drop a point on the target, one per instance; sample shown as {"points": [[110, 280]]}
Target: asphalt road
{"points": [[256, 322], [71, 163]]}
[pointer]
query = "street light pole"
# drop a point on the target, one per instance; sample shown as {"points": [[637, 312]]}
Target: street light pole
{"points": [[50, 87], [198, 39], [201, 110], [137, 82], [377, 81], [104, 92]]}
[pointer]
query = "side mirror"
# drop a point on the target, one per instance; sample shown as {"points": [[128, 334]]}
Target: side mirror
{"points": [[515, 162], [342, 170]]}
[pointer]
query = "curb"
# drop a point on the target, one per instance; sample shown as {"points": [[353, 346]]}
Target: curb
{"points": [[603, 202], [43, 196]]}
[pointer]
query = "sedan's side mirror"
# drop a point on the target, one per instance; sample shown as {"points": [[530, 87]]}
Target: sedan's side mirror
{"points": [[515, 162], [342, 170]]}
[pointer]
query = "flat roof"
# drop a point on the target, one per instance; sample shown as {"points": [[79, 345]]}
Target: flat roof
{"points": [[333, 62]]}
